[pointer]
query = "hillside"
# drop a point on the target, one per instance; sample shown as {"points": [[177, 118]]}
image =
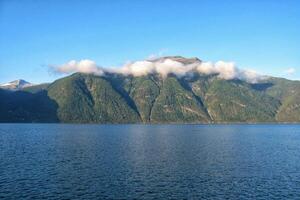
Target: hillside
{"points": [[22, 106]]}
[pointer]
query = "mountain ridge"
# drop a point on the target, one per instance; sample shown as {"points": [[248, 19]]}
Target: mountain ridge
{"points": [[153, 98]]}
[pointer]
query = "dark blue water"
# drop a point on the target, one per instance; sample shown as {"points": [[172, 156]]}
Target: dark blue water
{"points": [[50, 161]]}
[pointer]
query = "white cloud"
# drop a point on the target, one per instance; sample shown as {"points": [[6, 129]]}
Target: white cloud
{"points": [[164, 67], [84, 66], [290, 71]]}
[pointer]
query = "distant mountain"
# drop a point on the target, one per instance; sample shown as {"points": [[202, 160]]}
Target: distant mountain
{"points": [[117, 98], [16, 85]]}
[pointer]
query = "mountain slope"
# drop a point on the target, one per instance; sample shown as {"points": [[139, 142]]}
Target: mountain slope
{"points": [[235, 101], [22, 106], [177, 104], [36, 88], [288, 92], [90, 99], [162, 100], [143, 91]]}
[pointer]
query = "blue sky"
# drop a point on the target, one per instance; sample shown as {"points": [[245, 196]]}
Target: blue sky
{"points": [[263, 35]]}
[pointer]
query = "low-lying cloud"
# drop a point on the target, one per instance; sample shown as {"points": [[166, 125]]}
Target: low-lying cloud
{"points": [[83, 66], [164, 67]]}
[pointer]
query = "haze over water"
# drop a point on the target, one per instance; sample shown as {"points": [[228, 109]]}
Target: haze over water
{"points": [[57, 161]]}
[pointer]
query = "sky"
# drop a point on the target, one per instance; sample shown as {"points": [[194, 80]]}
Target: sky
{"points": [[262, 35]]}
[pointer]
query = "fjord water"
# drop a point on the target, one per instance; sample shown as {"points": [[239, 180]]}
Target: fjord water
{"points": [[56, 161]]}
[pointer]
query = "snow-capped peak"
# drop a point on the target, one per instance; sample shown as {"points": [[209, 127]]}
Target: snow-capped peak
{"points": [[16, 85]]}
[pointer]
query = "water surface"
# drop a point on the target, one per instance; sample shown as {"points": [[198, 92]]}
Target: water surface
{"points": [[56, 161]]}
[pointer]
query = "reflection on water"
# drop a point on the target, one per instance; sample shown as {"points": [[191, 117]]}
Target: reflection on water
{"points": [[58, 161]]}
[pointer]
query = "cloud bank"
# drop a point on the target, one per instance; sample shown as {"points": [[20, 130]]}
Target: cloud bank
{"points": [[164, 67]]}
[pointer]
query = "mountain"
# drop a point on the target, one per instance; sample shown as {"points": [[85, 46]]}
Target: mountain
{"points": [[20, 106], [152, 98], [16, 85]]}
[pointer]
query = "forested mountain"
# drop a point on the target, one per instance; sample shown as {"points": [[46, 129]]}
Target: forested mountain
{"points": [[117, 98]]}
